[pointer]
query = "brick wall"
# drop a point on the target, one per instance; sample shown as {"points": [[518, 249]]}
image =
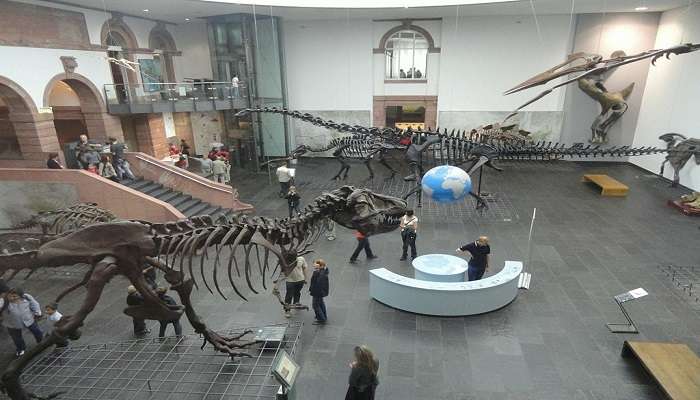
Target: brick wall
{"points": [[36, 26], [150, 134]]}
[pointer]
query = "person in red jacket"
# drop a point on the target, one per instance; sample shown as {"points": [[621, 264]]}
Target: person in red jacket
{"points": [[362, 243]]}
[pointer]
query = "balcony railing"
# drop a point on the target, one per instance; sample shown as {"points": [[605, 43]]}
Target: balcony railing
{"points": [[174, 97]]}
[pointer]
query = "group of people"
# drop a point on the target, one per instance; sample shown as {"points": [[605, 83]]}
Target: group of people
{"points": [[20, 311], [478, 249], [134, 298], [106, 160], [181, 153]]}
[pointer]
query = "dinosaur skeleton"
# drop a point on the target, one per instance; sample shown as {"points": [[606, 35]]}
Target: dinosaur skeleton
{"points": [[124, 247], [591, 66], [66, 219], [473, 149], [679, 149]]}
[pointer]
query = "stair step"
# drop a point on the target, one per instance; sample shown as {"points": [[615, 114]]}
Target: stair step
{"points": [[211, 210], [182, 198], [138, 185], [184, 206], [160, 192], [150, 188], [128, 182], [169, 196], [197, 209]]}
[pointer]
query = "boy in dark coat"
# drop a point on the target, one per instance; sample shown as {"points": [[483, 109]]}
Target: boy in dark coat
{"points": [[134, 298], [164, 324], [318, 290]]}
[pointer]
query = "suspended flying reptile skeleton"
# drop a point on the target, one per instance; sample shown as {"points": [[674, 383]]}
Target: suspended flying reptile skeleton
{"points": [[232, 247], [591, 71]]}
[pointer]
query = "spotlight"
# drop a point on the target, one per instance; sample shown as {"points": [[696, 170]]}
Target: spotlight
{"points": [[642, 8], [146, 10], [187, 19]]}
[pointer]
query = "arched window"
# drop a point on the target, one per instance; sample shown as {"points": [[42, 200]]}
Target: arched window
{"points": [[406, 54]]}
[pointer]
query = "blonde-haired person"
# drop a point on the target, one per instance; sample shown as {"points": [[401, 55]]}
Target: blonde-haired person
{"points": [[319, 288], [363, 379]]}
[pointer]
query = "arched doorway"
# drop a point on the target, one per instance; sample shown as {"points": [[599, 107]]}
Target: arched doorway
{"points": [[163, 43], [24, 133], [85, 104], [119, 39]]}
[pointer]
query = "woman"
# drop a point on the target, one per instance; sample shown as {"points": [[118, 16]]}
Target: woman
{"points": [[295, 282], [409, 231], [363, 376], [18, 311], [106, 169], [52, 162]]}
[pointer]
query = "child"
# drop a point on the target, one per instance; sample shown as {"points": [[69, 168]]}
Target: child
{"points": [[293, 199], [318, 290], [52, 316]]}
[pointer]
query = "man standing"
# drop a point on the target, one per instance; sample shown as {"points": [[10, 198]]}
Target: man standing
{"points": [[284, 176], [409, 231], [318, 289], [120, 164], [479, 262], [134, 298], [362, 243]]}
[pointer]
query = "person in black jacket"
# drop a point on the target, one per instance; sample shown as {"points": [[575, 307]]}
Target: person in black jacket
{"points": [[293, 199], [363, 381], [52, 162], [164, 324], [134, 298], [318, 290]]}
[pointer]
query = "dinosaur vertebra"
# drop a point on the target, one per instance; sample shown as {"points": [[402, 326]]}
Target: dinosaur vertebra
{"points": [[123, 247]]}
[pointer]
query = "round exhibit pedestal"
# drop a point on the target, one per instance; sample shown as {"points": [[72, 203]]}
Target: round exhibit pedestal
{"points": [[439, 268]]}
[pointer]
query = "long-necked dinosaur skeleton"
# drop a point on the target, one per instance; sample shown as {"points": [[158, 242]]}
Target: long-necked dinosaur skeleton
{"points": [[267, 246]]}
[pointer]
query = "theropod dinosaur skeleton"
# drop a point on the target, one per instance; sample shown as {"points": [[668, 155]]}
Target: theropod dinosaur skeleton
{"points": [[66, 219], [679, 149], [124, 247], [473, 149]]}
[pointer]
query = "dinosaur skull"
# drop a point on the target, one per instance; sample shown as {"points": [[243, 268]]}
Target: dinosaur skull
{"points": [[368, 212]]}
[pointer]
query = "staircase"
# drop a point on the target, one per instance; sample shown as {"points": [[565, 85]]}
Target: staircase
{"points": [[186, 204]]}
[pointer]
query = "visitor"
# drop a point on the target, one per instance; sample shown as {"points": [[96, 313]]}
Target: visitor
{"points": [[319, 288], [479, 262], [417, 74], [219, 170], [362, 243], [118, 161], [363, 381], [52, 316], [106, 169], [134, 298], [213, 154], [86, 153], [52, 162], [296, 279], [285, 176], [293, 199], [181, 162], [402, 73], [173, 150], [234, 84], [164, 324], [92, 168], [19, 310], [184, 147], [409, 231], [149, 274]]}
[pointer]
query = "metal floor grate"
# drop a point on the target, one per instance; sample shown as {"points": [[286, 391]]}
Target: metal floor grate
{"points": [[687, 280], [174, 369]]}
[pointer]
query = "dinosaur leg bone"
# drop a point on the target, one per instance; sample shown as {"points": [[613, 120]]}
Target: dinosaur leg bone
{"points": [[68, 326]]}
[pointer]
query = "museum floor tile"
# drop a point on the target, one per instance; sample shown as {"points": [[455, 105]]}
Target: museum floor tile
{"points": [[550, 343]]}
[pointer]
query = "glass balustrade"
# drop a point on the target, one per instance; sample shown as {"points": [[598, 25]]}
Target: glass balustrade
{"points": [[159, 93]]}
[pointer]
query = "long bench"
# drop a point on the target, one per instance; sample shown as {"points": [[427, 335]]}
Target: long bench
{"points": [[674, 366], [608, 185], [446, 298]]}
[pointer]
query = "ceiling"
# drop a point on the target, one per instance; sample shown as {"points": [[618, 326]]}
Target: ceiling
{"points": [[177, 10]]}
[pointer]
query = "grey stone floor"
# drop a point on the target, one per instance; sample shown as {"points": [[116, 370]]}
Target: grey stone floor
{"points": [[550, 343]]}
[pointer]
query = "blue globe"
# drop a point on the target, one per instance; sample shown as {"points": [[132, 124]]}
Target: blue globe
{"points": [[445, 184]]}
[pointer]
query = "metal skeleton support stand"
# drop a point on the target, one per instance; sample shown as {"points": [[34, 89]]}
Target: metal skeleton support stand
{"points": [[525, 277], [629, 327]]}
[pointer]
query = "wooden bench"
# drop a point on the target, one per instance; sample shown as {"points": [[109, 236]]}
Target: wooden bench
{"points": [[674, 366], [610, 186]]}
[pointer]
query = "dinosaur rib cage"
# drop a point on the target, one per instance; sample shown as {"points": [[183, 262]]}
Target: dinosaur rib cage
{"points": [[456, 146]]}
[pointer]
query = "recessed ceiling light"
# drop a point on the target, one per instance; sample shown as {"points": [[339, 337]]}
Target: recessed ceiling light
{"points": [[146, 10], [641, 8], [187, 19]]}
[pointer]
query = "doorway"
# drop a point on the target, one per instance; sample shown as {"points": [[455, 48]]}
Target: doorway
{"points": [[405, 116]]}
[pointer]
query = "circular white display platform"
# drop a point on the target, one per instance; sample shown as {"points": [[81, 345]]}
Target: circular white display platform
{"points": [[440, 268]]}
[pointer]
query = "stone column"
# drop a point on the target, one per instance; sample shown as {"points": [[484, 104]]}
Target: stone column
{"points": [[36, 135], [101, 125], [150, 134]]}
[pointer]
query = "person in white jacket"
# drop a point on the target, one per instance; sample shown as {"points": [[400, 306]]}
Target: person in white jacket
{"points": [[295, 282], [19, 310]]}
